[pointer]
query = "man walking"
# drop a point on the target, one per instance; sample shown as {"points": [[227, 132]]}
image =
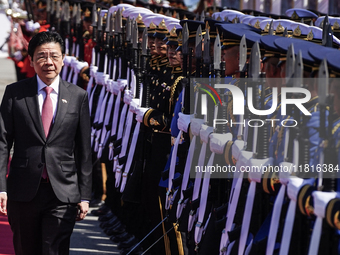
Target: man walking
{"points": [[49, 183]]}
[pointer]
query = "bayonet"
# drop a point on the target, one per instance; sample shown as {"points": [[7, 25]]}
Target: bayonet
{"points": [[197, 16], [48, 11], [298, 71], [74, 11], [185, 49], [324, 30], [254, 66], [128, 29], [108, 24], [185, 42], [134, 35], [290, 65], [206, 52], [243, 54], [198, 42], [328, 42], [100, 20], [271, 28], [57, 15], [78, 15], [202, 16], [323, 79], [118, 22], [112, 24], [145, 42], [48, 6], [66, 11], [217, 55], [94, 16], [198, 47], [146, 89], [94, 22], [58, 9], [206, 55], [285, 32], [53, 7]]}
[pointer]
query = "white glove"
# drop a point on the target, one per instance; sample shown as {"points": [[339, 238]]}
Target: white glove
{"points": [[78, 66], [67, 60], [18, 55], [109, 85], [134, 105], [29, 26], [140, 113], [195, 126], [205, 132], [115, 88], [128, 96], [183, 122], [35, 26], [101, 78], [122, 83], [73, 62], [237, 147], [93, 70], [218, 142]]}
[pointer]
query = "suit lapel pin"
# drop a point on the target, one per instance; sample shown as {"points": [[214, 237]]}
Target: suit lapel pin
{"points": [[64, 101]]}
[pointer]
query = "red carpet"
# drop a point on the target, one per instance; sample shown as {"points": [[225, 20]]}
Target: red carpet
{"points": [[6, 244]]}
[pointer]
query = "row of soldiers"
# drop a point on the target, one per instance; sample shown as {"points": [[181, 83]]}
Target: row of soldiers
{"points": [[167, 109]]}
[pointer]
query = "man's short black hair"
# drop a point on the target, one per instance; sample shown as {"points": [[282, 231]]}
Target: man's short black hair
{"points": [[42, 38]]}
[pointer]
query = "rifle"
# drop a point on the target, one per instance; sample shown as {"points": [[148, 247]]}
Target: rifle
{"points": [[255, 145], [79, 35], [240, 144], [288, 159], [131, 192], [328, 154], [29, 9], [65, 25], [198, 46]]}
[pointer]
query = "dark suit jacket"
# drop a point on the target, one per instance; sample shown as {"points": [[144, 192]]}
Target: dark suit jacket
{"points": [[66, 151]]}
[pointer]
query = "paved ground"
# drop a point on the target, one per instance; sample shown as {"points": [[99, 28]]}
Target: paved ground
{"points": [[87, 237], [7, 73]]}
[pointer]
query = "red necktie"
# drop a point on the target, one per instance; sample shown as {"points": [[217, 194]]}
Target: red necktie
{"points": [[47, 117], [47, 111]]}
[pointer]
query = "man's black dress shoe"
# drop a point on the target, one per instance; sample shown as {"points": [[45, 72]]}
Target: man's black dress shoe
{"points": [[120, 238], [109, 223], [129, 243], [117, 229], [106, 217]]}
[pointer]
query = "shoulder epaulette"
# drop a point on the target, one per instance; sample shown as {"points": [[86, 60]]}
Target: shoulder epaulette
{"points": [[177, 69]]}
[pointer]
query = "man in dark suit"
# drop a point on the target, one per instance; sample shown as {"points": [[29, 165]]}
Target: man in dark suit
{"points": [[49, 183]]}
